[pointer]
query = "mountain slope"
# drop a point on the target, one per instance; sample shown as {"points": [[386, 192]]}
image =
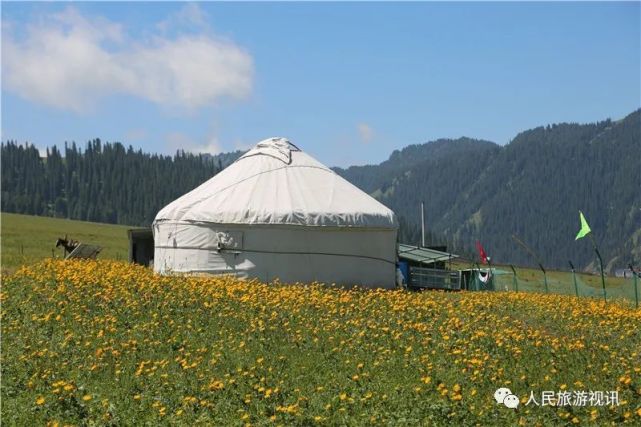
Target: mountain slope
{"points": [[532, 187], [375, 177]]}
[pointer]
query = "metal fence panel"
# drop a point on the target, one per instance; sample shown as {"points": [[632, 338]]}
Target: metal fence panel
{"points": [[430, 278]]}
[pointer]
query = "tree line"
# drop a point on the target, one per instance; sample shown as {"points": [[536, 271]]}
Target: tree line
{"points": [[104, 182]]}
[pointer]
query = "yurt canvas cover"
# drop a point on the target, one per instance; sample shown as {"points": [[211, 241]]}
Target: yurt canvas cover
{"points": [[278, 213]]}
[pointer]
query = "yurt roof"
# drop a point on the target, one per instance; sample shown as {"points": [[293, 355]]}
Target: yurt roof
{"points": [[277, 183]]}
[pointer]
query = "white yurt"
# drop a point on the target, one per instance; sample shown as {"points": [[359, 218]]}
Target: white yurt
{"points": [[277, 213]]}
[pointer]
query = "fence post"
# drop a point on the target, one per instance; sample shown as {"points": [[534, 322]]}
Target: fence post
{"points": [[605, 298], [576, 288], [636, 291], [515, 281], [545, 278]]}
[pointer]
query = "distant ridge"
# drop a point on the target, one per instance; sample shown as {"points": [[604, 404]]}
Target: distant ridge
{"points": [[533, 187]]}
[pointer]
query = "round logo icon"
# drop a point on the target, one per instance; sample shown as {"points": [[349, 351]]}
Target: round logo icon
{"points": [[504, 395]]}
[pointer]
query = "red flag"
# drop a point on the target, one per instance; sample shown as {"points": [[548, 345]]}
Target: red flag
{"points": [[482, 253]]}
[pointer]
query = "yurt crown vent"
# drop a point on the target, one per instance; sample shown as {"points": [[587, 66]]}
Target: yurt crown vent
{"points": [[278, 148]]}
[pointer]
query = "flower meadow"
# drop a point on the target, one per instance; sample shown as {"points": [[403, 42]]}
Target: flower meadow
{"points": [[110, 343]]}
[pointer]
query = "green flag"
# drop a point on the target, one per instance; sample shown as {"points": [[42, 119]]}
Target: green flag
{"points": [[585, 228]]}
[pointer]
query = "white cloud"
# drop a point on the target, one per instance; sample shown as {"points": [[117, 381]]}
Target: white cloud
{"points": [[179, 141], [365, 132], [211, 147], [70, 61]]}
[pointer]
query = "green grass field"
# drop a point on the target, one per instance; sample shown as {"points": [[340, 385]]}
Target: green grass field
{"points": [[27, 239]]}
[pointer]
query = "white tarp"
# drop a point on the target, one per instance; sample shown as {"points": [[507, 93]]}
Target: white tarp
{"points": [[278, 213]]}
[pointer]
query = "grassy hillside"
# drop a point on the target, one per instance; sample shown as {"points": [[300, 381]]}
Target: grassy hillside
{"points": [[27, 239], [109, 343]]}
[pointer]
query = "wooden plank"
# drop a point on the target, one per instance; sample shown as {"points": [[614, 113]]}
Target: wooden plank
{"points": [[85, 251]]}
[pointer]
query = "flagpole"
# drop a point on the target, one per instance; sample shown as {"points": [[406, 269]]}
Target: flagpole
{"points": [[585, 231], [422, 225]]}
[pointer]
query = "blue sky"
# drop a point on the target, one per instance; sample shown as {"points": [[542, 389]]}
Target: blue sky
{"points": [[347, 82]]}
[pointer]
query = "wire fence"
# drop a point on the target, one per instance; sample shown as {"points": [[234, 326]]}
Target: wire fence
{"points": [[619, 289]]}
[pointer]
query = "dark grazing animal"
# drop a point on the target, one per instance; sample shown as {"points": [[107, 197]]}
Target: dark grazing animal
{"points": [[68, 244]]}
